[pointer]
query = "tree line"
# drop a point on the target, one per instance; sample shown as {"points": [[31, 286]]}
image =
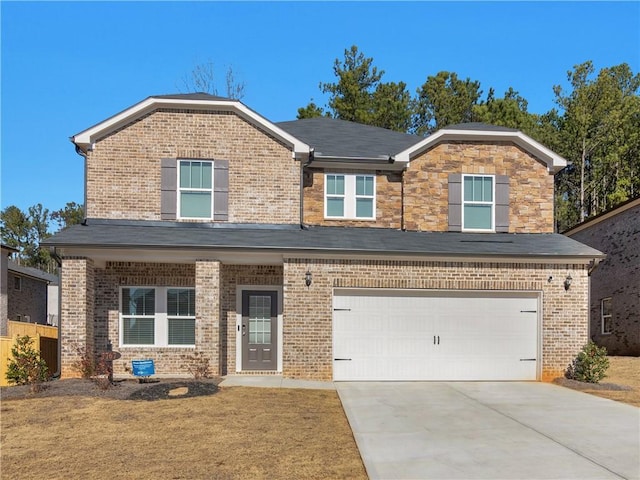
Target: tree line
{"points": [[25, 230], [595, 124]]}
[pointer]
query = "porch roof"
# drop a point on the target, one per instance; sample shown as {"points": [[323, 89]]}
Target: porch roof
{"points": [[328, 241]]}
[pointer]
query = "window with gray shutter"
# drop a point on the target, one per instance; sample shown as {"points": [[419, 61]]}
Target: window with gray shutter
{"points": [[502, 203], [168, 189], [193, 189], [477, 201], [455, 202]]}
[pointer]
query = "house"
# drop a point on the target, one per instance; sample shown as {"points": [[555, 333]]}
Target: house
{"points": [[615, 284], [319, 248], [28, 294], [25, 292]]}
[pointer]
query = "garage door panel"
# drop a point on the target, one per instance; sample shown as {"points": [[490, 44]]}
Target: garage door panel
{"points": [[386, 336]]}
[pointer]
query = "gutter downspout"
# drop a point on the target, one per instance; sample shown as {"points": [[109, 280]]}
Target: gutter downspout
{"points": [[56, 257], [302, 167], [84, 156]]}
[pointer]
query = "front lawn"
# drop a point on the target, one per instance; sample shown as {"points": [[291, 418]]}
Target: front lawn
{"points": [[237, 432]]}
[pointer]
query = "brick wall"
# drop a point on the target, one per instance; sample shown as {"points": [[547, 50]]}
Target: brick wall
{"points": [[234, 276], [618, 277], [308, 311], [123, 170], [77, 312], [30, 300]]}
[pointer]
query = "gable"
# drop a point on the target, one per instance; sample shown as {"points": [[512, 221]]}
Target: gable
{"points": [[485, 133], [85, 139]]}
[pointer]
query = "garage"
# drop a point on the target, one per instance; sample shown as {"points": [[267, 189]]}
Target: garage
{"points": [[381, 335]]}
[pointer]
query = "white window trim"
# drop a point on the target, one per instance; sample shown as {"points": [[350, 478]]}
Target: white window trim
{"points": [[349, 196], [179, 189], [492, 203], [161, 319], [603, 316]]}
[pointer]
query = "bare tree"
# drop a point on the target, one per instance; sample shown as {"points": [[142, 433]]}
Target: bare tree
{"points": [[203, 79]]}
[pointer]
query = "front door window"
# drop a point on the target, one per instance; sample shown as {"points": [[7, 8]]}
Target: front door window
{"points": [[259, 327]]}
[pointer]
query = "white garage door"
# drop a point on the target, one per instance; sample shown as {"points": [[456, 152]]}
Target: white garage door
{"points": [[392, 335]]}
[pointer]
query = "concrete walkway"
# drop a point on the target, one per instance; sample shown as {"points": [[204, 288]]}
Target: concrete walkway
{"points": [[487, 430], [273, 381]]}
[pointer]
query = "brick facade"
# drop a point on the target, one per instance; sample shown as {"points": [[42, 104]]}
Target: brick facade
{"points": [[30, 302], [617, 277], [77, 330], [123, 169], [308, 311], [123, 172]]}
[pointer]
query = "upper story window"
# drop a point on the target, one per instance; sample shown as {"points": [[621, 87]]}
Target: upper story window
{"points": [[350, 196], [606, 315], [17, 283], [195, 197], [478, 202]]}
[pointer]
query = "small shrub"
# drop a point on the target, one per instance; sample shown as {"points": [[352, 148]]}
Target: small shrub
{"points": [[27, 367], [590, 365], [198, 366], [97, 369]]}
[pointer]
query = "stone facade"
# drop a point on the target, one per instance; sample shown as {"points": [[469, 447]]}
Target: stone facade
{"points": [[617, 277], [426, 196], [124, 169], [418, 199], [308, 311]]}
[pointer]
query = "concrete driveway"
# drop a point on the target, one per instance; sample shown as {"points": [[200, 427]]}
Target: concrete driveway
{"points": [[490, 430]]}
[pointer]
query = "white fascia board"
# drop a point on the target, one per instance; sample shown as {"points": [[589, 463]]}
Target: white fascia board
{"points": [[85, 138], [554, 162]]}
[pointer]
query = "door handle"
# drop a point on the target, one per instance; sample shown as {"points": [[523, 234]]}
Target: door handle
{"points": [[436, 339], [244, 329]]}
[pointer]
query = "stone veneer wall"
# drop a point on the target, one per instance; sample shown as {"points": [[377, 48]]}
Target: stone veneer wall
{"points": [[388, 200], [426, 193], [77, 310], [308, 311], [123, 169]]}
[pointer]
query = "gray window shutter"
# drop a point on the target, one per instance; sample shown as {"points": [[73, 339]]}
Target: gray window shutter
{"points": [[455, 202], [502, 203], [168, 188], [221, 190]]}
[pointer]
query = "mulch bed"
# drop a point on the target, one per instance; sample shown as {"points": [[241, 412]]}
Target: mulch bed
{"points": [[576, 385], [119, 390]]}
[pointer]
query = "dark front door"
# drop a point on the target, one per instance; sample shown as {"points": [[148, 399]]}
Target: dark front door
{"points": [[259, 330]]}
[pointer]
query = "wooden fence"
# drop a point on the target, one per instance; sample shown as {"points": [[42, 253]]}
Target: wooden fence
{"points": [[45, 340]]}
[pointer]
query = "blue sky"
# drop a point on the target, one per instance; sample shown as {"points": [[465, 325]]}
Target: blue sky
{"points": [[69, 65]]}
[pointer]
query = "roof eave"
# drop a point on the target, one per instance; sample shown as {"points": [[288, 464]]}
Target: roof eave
{"points": [[86, 138], [554, 162]]}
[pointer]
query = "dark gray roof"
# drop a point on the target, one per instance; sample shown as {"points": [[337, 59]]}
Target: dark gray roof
{"points": [[191, 96], [329, 240], [32, 272], [339, 138], [479, 126]]}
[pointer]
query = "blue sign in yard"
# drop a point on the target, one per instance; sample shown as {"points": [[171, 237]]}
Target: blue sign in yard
{"points": [[143, 368]]}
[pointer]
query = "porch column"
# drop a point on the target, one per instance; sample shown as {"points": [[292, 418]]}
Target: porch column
{"points": [[77, 299], [208, 312]]}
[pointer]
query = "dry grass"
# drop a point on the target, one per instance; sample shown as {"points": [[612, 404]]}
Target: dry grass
{"points": [[623, 371], [235, 433]]}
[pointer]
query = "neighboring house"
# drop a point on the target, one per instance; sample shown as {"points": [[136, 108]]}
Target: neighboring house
{"points": [[319, 248], [5, 252], [615, 284], [27, 294]]}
